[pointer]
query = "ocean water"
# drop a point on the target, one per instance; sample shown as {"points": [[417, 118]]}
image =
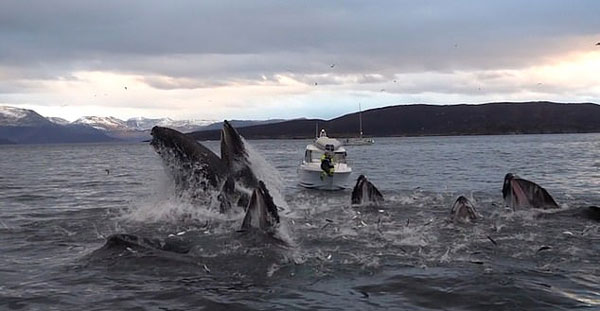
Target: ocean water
{"points": [[58, 203]]}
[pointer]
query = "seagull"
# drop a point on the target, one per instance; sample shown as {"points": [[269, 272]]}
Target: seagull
{"points": [[107, 171], [332, 65]]}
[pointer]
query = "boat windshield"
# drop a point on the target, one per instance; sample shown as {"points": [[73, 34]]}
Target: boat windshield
{"points": [[339, 157], [307, 156], [315, 156]]}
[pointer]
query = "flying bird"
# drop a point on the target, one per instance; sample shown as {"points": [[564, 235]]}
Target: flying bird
{"points": [[598, 43], [315, 83], [332, 65], [125, 88]]}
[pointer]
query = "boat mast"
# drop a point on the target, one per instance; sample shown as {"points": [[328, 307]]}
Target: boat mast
{"points": [[360, 120], [317, 130]]}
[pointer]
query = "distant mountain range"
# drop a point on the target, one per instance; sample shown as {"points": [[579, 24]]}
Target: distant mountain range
{"points": [[421, 120], [24, 126]]}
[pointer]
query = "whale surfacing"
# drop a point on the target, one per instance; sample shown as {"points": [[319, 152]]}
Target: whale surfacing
{"points": [[463, 210], [261, 212], [522, 193], [365, 192], [197, 170]]}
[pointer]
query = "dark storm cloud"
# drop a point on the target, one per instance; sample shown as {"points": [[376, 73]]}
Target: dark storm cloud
{"points": [[213, 41]]}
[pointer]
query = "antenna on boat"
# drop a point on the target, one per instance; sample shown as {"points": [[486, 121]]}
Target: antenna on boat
{"points": [[360, 120]]}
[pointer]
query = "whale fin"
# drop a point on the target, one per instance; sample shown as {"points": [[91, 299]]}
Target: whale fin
{"points": [[365, 192], [261, 212]]}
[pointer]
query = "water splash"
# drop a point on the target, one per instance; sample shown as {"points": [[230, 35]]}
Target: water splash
{"points": [[168, 204], [268, 174]]}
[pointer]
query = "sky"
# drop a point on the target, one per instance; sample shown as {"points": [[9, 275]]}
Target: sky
{"points": [[261, 59]]}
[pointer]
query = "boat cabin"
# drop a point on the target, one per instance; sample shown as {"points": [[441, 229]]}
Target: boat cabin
{"points": [[324, 144]]}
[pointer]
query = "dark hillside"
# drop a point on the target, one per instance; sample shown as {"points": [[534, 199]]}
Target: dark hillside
{"points": [[418, 120]]}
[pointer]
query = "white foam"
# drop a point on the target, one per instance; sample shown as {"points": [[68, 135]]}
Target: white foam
{"points": [[164, 205]]}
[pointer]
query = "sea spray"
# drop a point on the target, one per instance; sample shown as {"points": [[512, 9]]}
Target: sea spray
{"points": [[166, 204], [268, 174]]}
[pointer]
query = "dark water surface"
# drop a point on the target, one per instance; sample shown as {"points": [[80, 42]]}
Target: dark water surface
{"points": [[58, 204]]}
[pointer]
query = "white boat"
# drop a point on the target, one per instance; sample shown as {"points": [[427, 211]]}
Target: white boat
{"points": [[360, 140], [310, 173]]}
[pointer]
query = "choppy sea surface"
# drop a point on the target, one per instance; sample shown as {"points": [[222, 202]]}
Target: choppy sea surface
{"points": [[58, 203]]}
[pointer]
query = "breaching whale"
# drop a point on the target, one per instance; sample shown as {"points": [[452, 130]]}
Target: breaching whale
{"points": [[463, 210], [199, 172], [196, 169], [365, 192], [522, 193]]}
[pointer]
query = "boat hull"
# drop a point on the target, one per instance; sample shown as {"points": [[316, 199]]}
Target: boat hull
{"points": [[312, 179]]}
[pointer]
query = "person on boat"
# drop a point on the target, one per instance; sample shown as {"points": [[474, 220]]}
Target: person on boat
{"points": [[326, 165]]}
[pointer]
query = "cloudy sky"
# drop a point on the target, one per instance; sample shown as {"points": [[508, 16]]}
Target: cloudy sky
{"points": [[285, 59]]}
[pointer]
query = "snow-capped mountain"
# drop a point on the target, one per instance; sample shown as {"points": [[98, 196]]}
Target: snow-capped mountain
{"points": [[57, 120], [144, 124], [103, 123], [138, 128], [12, 116], [188, 125], [24, 126], [27, 126]]}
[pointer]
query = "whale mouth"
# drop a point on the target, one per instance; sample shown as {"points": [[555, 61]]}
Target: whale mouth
{"points": [[463, 210], [229, 179], [519, 192], [364, 192], [261, 212]]}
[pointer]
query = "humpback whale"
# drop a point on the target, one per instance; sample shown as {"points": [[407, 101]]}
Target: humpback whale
{"points": [[365, 192], [522, 193], [261, 212], [199, 172], [463, 210]]}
